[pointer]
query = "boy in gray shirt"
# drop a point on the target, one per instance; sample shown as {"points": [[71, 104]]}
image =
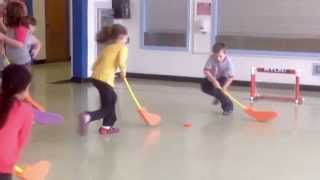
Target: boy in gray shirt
{"points": [[219, 75]]}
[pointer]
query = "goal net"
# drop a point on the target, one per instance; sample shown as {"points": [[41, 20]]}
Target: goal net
{"points": [[262, 88]]}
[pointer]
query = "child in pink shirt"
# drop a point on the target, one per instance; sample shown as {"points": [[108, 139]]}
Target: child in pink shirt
{"points": [[16, 117]]}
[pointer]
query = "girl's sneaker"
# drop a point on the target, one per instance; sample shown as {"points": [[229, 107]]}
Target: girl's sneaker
{"points": [[227, 113], [104, 131]]}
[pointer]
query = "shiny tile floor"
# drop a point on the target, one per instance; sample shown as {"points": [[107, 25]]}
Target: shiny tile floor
{"points": [[216, 147]]}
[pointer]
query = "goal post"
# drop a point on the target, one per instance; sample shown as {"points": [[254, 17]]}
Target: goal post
{"points": [[254, 95]]}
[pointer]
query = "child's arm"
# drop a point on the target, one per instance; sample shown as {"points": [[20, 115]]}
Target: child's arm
{"points": [[37, 46], [230, 76], [11, 41], [212, 79], [209, 75], [21, 34], [123, 56], [228, 83], [3, 27]]}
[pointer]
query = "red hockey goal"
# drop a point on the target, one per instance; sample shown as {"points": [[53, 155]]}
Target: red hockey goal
{"points": [[254, 95]]}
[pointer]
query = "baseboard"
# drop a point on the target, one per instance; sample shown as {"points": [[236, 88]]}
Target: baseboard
{"points": [[44, 61], [79, 80], [39, 61], [164, 77], [235, 83], [310, 88], [195, 80]]}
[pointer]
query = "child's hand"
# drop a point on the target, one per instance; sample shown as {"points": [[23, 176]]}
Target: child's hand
{"points": [[123, 75], [216, 85], [227, 84], [34, 52]]}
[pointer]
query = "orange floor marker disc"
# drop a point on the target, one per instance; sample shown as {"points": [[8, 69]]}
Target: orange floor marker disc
{"points": [[187, 125]]}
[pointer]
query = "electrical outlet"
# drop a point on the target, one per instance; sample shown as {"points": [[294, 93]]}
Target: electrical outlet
{"points": [[316, 69]]}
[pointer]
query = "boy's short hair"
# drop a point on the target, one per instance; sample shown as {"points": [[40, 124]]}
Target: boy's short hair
{"points": [[217, 47]]}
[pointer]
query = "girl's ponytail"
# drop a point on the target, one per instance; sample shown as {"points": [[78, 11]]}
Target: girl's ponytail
{"points": [[15, 79], [7, 102]]}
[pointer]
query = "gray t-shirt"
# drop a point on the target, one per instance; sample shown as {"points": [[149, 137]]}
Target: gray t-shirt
{"points": [[220, 69], [22, 55]]}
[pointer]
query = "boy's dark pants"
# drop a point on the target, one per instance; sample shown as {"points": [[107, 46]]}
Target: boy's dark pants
{"points": [[208, 88]]}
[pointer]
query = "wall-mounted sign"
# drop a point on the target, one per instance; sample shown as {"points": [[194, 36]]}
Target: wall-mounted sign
{"points": [[203, 8]]}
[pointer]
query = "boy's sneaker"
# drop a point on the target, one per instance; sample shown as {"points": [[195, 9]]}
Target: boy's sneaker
{"points": [[227, 113], [104, 131], [215, 102], [84, 119]]}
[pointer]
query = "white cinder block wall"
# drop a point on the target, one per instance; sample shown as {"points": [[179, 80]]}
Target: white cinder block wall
{"points": [[179, 63]]}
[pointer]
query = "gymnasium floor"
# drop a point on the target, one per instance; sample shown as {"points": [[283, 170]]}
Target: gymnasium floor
{"points": [[216, 147]]}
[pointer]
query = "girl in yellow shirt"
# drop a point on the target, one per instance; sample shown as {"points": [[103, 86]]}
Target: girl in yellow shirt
{"points": [[113, 56]]}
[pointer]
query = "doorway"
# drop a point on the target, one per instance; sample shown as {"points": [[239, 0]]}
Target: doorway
{"points": [[57, 30]]}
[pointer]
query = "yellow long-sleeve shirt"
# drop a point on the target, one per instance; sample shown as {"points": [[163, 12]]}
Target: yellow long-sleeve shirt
{"points": [[111, 58]]}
